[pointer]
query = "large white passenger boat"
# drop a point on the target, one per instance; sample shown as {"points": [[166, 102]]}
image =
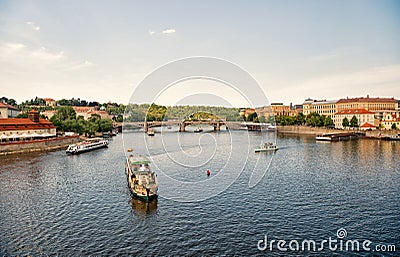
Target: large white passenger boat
{"points": [[87, 145], [142, 181]]}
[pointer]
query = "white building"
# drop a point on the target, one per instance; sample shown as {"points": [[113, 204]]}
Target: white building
{"points": [[390, 118], [322, 107], [364, 117]]}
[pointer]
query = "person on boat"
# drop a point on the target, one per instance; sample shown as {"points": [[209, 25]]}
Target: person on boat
{"points": [[208, 173]]}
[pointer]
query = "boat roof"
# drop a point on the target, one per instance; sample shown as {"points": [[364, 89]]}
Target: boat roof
{"points": [[138, 160]]}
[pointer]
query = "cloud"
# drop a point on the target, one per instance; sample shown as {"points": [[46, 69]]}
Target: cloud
{"points": [[81, 65], [14, 46], [151, 33], [168, 31], [32, 25]]}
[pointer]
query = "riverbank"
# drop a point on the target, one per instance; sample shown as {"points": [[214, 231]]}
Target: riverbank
{"points": [[41, 145], [306, 130]]}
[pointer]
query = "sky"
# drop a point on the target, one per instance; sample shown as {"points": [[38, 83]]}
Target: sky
{"points": [[102, 50]]}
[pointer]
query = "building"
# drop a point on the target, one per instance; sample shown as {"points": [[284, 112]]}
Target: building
{"points": [[26, 128], [87, 112], [49, 113], [390, 118], [279, 109], [8, 111], [373, 104], [364, 117], [102, 114], [322, 107], [83, 111], [50, 102]]}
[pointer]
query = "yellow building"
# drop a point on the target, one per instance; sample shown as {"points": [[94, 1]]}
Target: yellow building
{"points": [[282, 110]]}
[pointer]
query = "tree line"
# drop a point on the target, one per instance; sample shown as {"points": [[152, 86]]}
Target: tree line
{"points": [[65, 120]]}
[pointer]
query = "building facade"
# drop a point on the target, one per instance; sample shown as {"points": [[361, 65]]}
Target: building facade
{"points": [[50, 102], [26, 128], [390, 118], [322, 107], [279, 109], [8, 111], [373, 104], [364, 117]]}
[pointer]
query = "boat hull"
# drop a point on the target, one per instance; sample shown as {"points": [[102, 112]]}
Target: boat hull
{"points": [[143, 197], [265, 150]]}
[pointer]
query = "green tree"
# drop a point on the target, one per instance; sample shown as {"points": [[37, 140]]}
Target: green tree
{"points": [[22, 115], [105, 125], [345, 122], [119, 118], [394, 127], [314, 119], [354, 122], [328, 122], [300, 119], [65, 112]]}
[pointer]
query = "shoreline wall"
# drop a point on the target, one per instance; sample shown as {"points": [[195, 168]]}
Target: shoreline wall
{"points": [[37, 145], [305, 130]]}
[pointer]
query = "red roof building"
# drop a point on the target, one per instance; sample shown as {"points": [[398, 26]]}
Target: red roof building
{"points": [[21, 128], [363, 116]]}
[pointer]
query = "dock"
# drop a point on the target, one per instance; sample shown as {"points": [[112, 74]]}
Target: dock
{"points": [[340, 136]]}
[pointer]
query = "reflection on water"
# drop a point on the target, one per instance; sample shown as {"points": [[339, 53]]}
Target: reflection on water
{"points": [[143, 208]]}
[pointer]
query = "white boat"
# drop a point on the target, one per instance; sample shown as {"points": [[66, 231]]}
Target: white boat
{"points": [[150, 132], [393, 138], [267, 147], [142, 181], [323, 138], [198, 130], [87, 145]]}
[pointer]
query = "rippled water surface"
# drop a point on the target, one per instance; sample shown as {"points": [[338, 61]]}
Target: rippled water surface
{"points": [[53, 204]]}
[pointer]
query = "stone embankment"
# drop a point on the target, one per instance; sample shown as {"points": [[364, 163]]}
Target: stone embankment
{"points": [[50, 144]]}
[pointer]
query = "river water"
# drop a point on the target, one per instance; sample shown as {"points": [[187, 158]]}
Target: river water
{"points": [[53, 204]]}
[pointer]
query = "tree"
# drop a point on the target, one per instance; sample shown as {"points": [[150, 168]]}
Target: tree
{"points": [[22, 115], [119, 118], [345, 122], [314, 119], [328, 122], [300, 119], [65, 112], [394, 127], [354, 122]]}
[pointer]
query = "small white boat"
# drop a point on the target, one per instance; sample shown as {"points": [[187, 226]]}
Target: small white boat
{"points": [[87, 145], [267, 147], [198, 130], [150, 132]]}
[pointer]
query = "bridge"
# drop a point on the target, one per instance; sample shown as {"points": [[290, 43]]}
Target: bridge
{"points": [[145, 125], [234, 125]]}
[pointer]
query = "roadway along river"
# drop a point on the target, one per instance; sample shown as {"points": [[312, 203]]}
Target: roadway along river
{"points": [[53, 204]]}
